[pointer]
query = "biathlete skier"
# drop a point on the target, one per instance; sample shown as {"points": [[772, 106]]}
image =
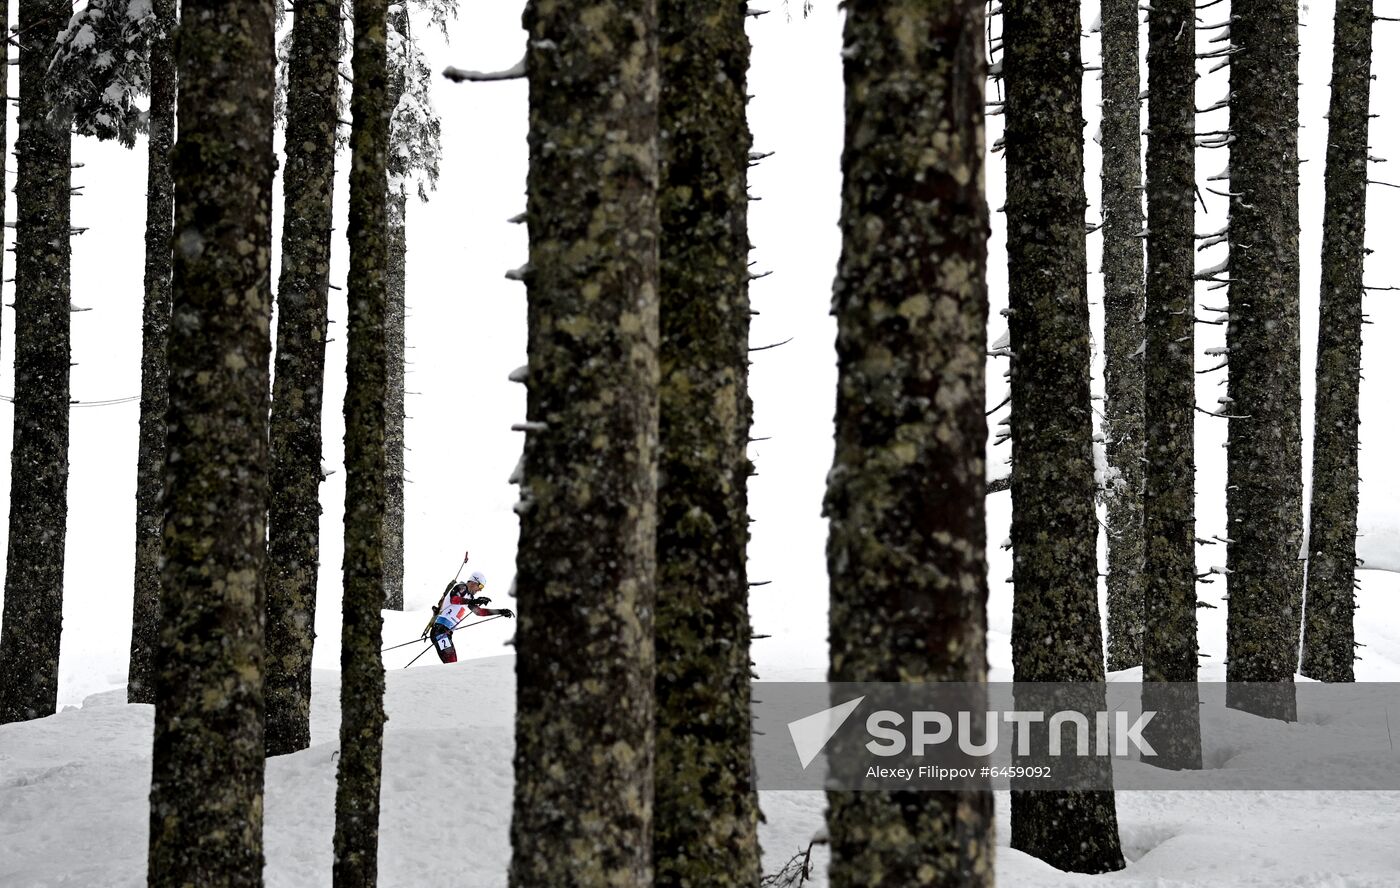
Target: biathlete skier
{"points": [[459, 601]]}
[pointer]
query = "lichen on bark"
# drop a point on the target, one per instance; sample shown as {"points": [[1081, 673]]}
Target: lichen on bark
{"points": [[33, 610], [361, 664], [906, 495], [1055, 634], [155, 329], [395, 282], [294, 519], [1123, 330], [704, 749], [1264, 468], [1169, 644], [395, 316], [207, 769], [585, 574], [1328, 632]]}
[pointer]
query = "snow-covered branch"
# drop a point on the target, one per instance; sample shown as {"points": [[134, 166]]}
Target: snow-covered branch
{"points": [[458, 75]]}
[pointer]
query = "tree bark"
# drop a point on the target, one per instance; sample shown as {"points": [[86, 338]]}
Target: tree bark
{"points": [[587, 559], [155, 329], [33, 611], [294, 519], [1328, 634], [1123, 330], [1264, 496], [1055, 625], [396, 285], [361, 664], [906, 494], [396, 291], [1169, 645], [207, 768], [704, 729]]}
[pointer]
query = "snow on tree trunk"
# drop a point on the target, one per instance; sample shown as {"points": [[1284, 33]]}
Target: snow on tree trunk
{"points": [[294, 519], [1123, 331], [1055, 625], [704, 729], [207, 763], [155, 328], [361, 664], [586, 566], [1328, 636], [1264, 494], [1169, 643], [906, 497], [33, 611], [396, 291]]}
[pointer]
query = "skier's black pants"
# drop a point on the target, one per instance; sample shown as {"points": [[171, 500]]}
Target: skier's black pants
{"points": [[442, 642]]}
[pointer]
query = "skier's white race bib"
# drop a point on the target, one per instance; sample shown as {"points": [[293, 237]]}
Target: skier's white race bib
{"points": [[454, 614]]}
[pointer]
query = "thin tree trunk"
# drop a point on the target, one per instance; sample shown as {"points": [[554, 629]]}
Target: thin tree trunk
{"points": [[396, 291], [1055, 626], [1123, 330], [33, 611], [207, 768], [1329, 636], [294, 519], [587, 559], [1169, 645], [906, 496], [155, 328], [362, 666], [1264, 494], [704, 729]]}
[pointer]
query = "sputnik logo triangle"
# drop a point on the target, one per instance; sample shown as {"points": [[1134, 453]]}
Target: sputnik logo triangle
{"points": [[811, 734]]}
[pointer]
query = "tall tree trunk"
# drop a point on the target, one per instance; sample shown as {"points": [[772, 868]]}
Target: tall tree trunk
{"points": [[1055, 626], [33, 612], [361, 664], [1264, 493], [155, 328], [207, 768], [704, 747], [1169, 645], [294, 519], [586, 567], [907, 550], [1123, 331], [395, 290], [1328, 636], [395, 315]]}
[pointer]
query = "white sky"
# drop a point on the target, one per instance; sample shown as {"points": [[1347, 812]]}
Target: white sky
{"points": [[467, 332]]}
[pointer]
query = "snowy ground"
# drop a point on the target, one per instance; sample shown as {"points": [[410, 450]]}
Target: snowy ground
{"points": [[73, 807]]}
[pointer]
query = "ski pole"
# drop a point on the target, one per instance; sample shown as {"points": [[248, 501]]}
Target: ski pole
{"points": [[453, 629], [404, 645], [479, 622], [417, 640], [420, 653]]}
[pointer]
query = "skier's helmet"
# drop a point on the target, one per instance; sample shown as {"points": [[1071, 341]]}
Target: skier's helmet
{"points": [[477, 577]]}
